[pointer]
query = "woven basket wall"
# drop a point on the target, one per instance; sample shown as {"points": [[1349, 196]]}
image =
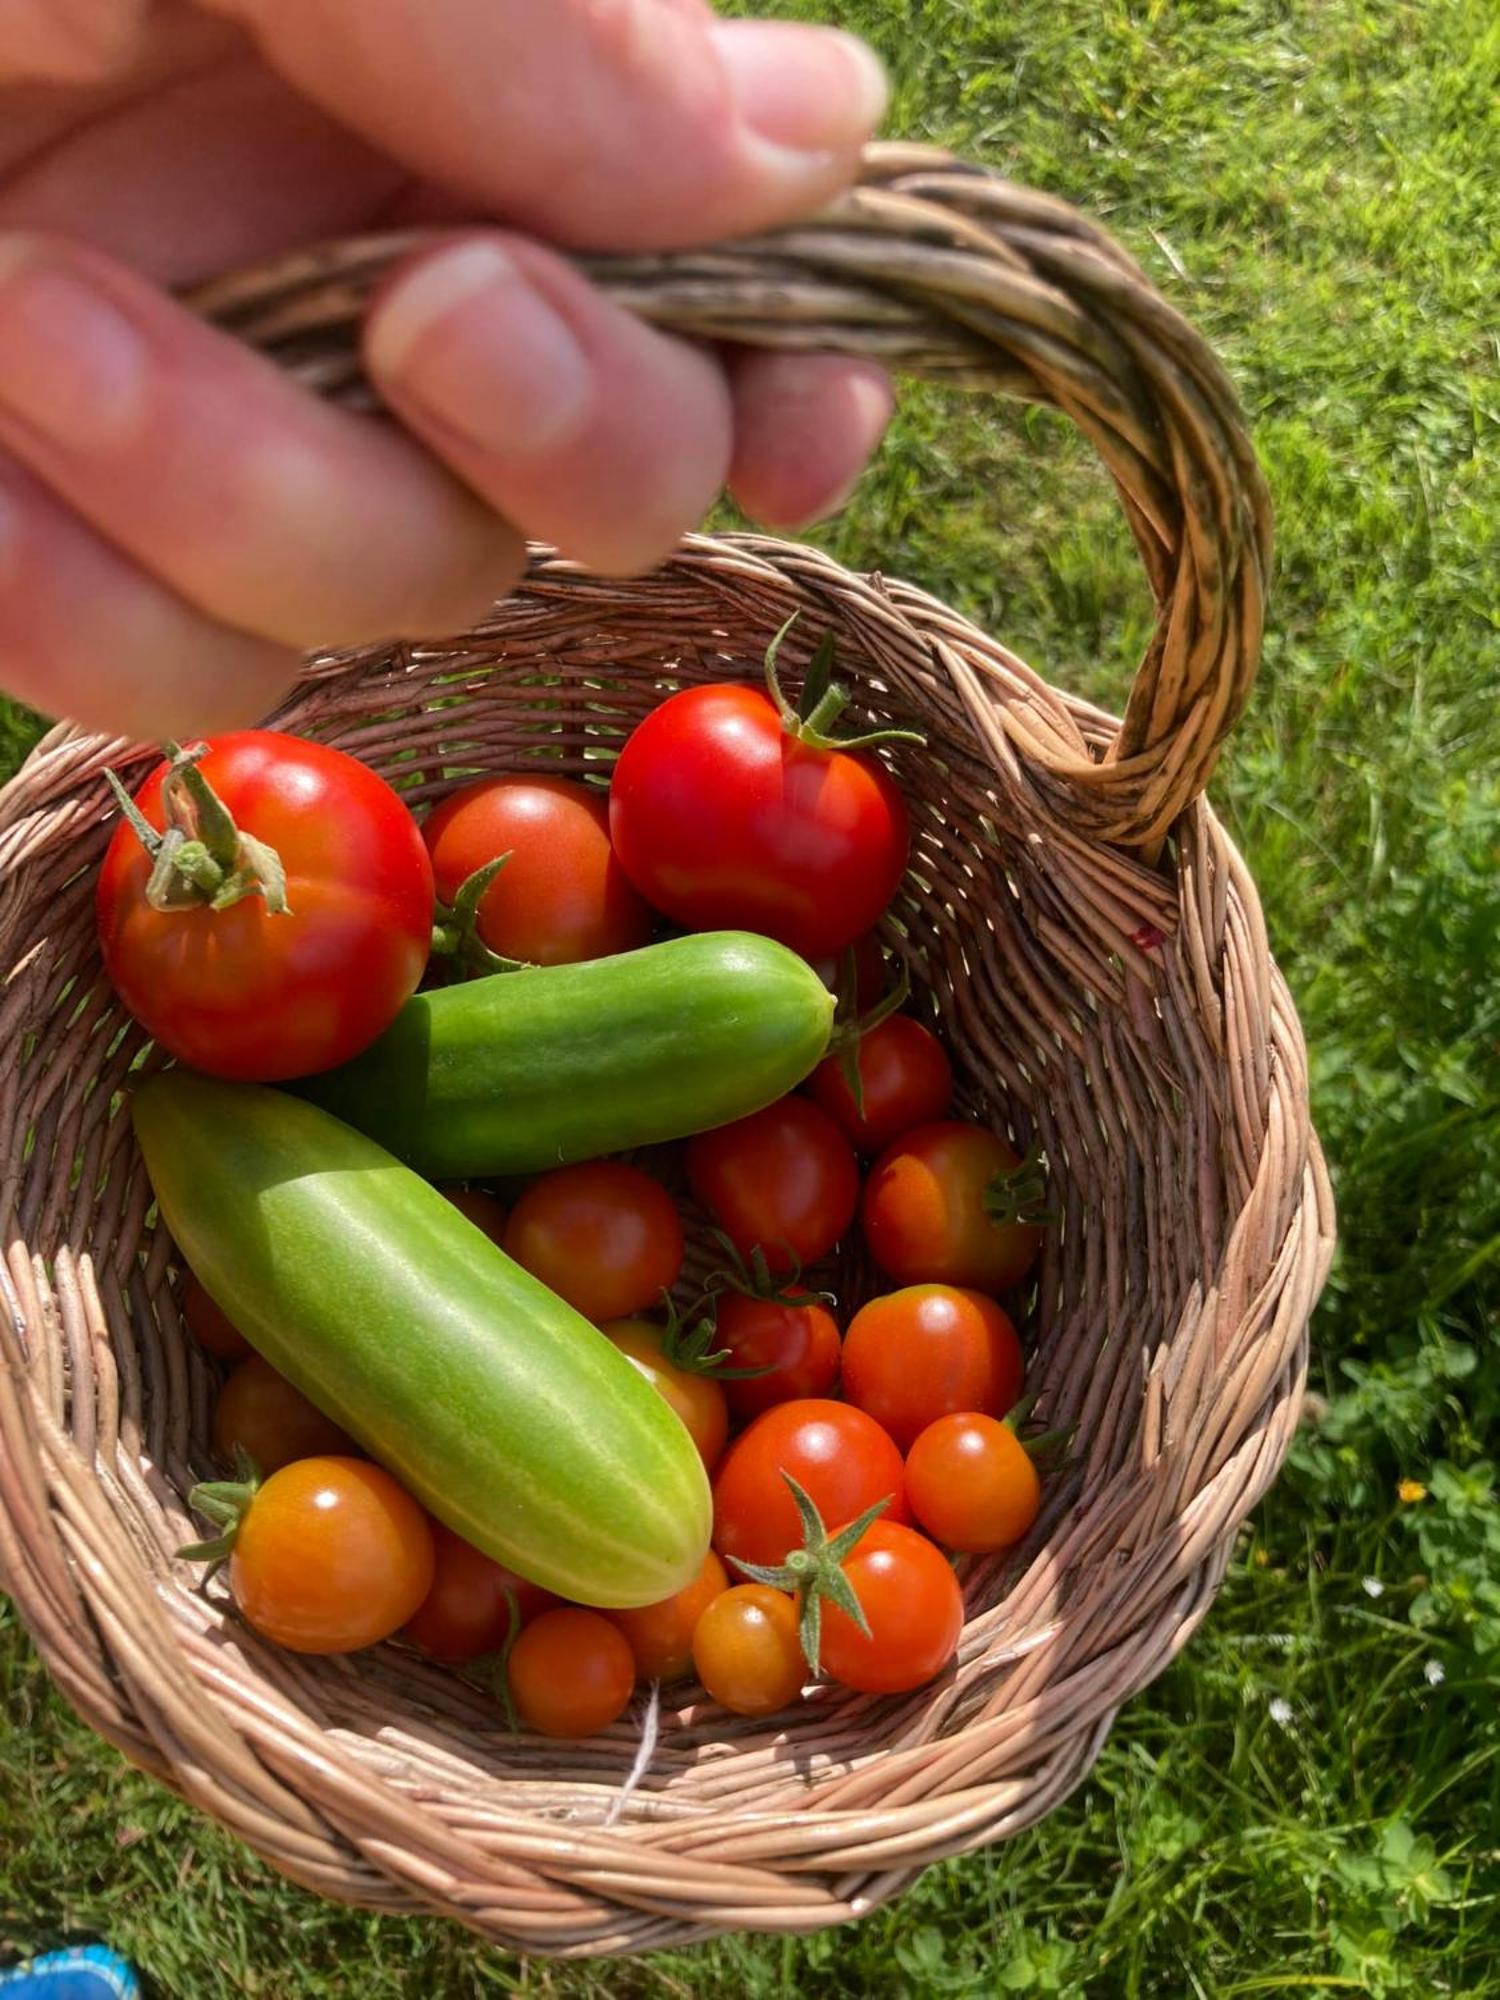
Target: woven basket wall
{"points": [[1075, 920]]}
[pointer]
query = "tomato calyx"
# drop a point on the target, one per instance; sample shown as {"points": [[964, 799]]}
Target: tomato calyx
{"points": [[846, 1041], [455, 929], [1043, 1448], [201, 858], [1018, 1194], [687, 1342], [225, 1502], [815, 1571], [756, 1280], [809, 719]]}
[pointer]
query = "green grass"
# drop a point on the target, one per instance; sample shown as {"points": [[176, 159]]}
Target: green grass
{"points": [[1300, 1804]]}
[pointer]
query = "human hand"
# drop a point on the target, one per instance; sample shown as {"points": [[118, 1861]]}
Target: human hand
{"points": [[178, 521]]}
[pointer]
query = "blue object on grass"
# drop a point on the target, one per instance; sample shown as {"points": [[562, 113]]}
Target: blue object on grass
{"points": [[83, 1972]]}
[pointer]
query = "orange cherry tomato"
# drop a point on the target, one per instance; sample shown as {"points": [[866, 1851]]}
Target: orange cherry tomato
{"points": [[331, 1555], [841, 1459], [571, 1672], [972, 1483], [661, 1635], [916, 1354], [905, 1080], [467, 1610], [697, 1399], [748, 1651], [210, 1325], [482, 1209], [602, 1235], [935, 1208], [260, 1411], [912, 1603]]}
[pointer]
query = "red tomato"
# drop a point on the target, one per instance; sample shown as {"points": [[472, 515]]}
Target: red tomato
{"points": [[482, 1210], [972, 1483], [912, 1603], [725, 821], [571, 1673], [260, 1411], [243, 992], [467, 1610], [698, 1399], [562, 896], [748, 1650], [209, 1324], [602, 1235], [940, 1203], [869, 971], [661, 1635], [331, 1555], [905, 1080], [783, 1180], [794, 1338], [840, 1457], [915, 1355]]}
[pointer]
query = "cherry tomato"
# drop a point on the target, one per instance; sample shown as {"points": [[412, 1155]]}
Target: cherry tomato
{"points": [[905, 1078], [467, 1610], [562, 896], [869, 971], [482, 1210], [661, 1635], [840, 1457], [260, 1411], [246, 993], [934, 1207], [603, 1235], [698, 1399], [748, 1652], [916, 1354], [209, 1324], [331, 1555], [794, 1338], [725, 821], [912, 1603], [783, 1180], [972, 1483], [571, 1672]]}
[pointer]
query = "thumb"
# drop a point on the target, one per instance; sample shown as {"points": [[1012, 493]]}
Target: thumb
{"points": [[610, 124]]}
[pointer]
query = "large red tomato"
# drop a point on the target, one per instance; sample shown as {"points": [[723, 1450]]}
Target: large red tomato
{"points": [[249, 991], [726, 819], [561, 896]]}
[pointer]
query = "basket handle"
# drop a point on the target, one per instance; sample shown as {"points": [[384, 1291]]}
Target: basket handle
{"points": [[945, 270]]}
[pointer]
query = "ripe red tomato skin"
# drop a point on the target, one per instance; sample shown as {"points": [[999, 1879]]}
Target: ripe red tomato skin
{"points": [[869, 971], [796, 1340], [242, 993], [485, 1211], [210, 1325], [260, 1411], [725, 822], [972, 1484], [923, 1212], [785, 1180], [920, 1353], [571, 1672], [466, 1611], [602, 1234], [661, 1635], [911, 1598], [840, 1457], [562, 896], [905, 1077]]}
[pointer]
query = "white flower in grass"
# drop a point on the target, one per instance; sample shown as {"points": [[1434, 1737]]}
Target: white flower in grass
{"points": [[1372, 1586], [1281, 1710], [1433, 1673]]}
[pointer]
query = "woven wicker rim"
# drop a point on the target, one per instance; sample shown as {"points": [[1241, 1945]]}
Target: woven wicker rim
{"points": [[1120, 1007]]}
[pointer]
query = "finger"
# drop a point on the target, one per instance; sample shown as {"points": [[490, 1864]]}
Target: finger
{"points": [[615, 123], [804, 427], [87, 634], [67, 41], [264, 508], [569, 415]]}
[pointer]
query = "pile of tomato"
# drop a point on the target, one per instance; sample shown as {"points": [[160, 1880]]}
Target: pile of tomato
{"points": [[856, 1458]]}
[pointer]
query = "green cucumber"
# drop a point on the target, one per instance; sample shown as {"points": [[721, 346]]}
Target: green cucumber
{"points": [[502, 1410], [524, 1070]]}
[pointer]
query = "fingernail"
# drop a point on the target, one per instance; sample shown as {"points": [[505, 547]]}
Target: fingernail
{"points": [[473, 344], [804, 89], [72, 367]]}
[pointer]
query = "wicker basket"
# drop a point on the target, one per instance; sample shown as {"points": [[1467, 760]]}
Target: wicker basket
{"points": [[1073, 916]]}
